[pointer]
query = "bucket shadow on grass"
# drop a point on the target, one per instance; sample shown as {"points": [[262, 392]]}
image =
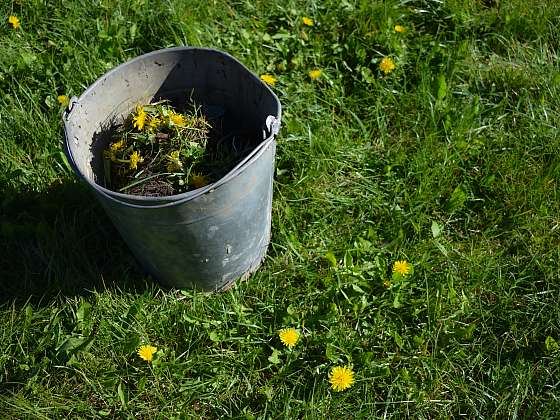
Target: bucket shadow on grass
{"points": [[60, 243]]}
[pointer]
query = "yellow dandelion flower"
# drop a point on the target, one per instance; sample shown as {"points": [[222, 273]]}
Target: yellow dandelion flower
{"points": [[115, 147], [315, 74], [140, 118], [134, 159], [146, 352], [387, 65], [307, 21], [199, 181], [14, 21], [288, 336], [400, 29], [177, 119], [63, 100], [175, 163], [268, 79], [386, 284], [401, 267], [341, 378], [153, 123]]}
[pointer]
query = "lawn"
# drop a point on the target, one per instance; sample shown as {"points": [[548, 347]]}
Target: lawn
{"points": [[448, 161]]}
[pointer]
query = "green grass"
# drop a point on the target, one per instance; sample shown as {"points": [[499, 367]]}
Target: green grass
{"points": [[450, 162]]}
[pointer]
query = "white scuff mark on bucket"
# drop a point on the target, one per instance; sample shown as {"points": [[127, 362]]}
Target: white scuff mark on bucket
{"points": [[226, 260], [212, 231]]}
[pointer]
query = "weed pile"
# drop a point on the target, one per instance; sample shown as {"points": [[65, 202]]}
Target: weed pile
{"points": [[156, 151]]}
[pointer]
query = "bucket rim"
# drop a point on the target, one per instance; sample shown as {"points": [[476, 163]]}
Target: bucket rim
{"points": [[271, 128]]}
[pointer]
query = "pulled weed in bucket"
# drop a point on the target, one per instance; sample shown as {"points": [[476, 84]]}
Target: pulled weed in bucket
{"points": [[156, 151]]}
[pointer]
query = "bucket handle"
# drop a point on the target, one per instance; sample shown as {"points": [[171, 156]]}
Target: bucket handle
{"points": [[73, 101]]}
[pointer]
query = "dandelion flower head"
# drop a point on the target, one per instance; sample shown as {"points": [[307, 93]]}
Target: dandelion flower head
{"points": [[307, 21], [401, 267], [146, 352], [315, 74], [14, 21], [140, 118], [177, 119], [198, 181], [175, 163], [400, 29], [63, 100], [387, 65], [115, 147], [289, 337], [154, 122], [341, 378], [134, 159], [268, 79]]}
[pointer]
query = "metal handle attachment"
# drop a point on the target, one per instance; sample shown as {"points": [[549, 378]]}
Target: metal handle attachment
{"points": [[73, 101]]}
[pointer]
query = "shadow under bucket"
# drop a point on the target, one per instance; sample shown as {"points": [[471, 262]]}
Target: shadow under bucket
{"points": [[204, 238]]}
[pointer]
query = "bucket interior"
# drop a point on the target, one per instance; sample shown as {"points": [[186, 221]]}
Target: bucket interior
{"points": [[234, 100]]}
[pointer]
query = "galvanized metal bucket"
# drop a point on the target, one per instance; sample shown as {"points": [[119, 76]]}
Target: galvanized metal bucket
{"points": [[205, 238]]}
